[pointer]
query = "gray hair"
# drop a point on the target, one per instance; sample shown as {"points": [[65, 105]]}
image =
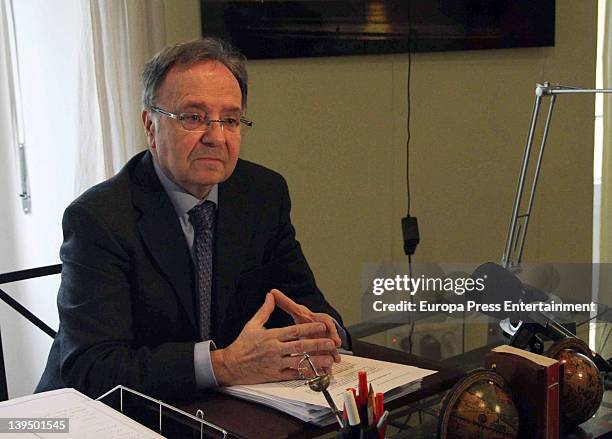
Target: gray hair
{"points": [[187, 54]]}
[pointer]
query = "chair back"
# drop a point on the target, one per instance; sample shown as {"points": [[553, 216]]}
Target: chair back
{"points": [[16, 276]]}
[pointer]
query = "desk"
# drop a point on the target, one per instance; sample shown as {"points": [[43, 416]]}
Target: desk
{"points": [[249, 420]]}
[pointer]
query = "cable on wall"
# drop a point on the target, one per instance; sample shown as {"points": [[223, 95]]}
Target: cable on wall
{"points": [[410, 228]]}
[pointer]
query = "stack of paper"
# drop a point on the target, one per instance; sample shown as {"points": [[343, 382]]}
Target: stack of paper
{"points": [[86, 418], [296, 399]]}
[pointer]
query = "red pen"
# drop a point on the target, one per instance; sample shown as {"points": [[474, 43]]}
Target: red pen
{"points": [[380, 410], [362, 403], [379, 406], [363, 387]]}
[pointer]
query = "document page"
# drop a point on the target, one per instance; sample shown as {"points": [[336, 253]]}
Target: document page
{"points": [[296, 398], [87, 418]]}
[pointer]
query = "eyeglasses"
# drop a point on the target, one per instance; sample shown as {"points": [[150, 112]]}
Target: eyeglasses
{"points": [[201, 122]]}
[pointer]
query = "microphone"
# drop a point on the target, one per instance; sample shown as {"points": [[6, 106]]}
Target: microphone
{"points": [[501, 286]]}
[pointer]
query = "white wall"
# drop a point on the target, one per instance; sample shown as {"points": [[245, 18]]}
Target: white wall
{"points": [[48, 38]]}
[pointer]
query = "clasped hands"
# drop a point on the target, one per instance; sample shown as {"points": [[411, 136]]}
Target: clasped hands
{"points": [[260, 355]]}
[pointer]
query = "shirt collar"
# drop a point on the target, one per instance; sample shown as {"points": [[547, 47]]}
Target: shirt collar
{"points": [[182, 200]]}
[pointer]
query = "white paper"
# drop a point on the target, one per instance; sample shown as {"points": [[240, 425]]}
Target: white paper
{"points": [[296, 398], [88, 419]]}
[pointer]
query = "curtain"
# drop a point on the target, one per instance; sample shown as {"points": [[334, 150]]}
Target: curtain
{"points": [[606, 175], [604, 270], [10, 100], [119, 36]]}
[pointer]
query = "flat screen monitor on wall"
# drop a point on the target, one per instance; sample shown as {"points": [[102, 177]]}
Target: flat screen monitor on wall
{"points": [[288, 29]]}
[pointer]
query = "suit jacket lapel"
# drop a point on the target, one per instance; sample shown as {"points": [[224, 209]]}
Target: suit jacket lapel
{"points": [[234, 230], [162, 233]]}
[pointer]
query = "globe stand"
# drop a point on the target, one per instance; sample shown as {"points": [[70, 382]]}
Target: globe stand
{"points": [[479, 405], [581, 385]]}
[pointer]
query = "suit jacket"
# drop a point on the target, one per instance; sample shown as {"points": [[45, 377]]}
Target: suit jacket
{"points": [[126, 302]]}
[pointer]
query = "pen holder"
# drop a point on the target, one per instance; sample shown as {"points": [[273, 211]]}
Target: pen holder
{"points": [[357, 432]]}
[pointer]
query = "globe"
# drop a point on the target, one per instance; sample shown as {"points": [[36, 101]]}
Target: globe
{"points": [[582, 388], [479, 407]]}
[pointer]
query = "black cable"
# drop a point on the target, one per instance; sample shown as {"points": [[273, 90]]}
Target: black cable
{"points": [[408, 134], [408, 112], [594, 317], [603, 345], [463, 333], [410, 227], [410, 267], [410, 337], [412, 324]]}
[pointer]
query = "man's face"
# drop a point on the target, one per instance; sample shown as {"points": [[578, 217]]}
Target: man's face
{"points": [[195, 160]]}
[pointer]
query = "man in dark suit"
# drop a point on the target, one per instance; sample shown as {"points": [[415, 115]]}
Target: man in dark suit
{"points": [[173, 269]]}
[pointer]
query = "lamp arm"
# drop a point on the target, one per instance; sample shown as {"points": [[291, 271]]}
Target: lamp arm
{"points": [[517, 230]]}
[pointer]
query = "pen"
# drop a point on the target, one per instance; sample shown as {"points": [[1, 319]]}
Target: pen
{"points": [[352, 389], [362, 385], [379, 406], [383, 420], [382, 424], [371, 406], [368, 433], [351, 409], [363, 396]]}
